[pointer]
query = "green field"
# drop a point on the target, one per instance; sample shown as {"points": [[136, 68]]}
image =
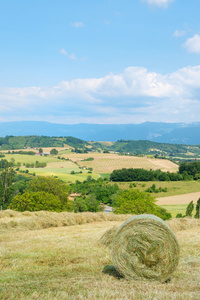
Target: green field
{"points": [[63, 174], [173, 187], [176, 209], [55, 167], [23, 159]]}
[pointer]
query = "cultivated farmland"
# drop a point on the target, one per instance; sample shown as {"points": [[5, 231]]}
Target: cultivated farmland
{"points": [[106, 163]]}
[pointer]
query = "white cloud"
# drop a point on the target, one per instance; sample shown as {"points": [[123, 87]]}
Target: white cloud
{"points": [[193, 44], [78, 24], [71, 56], [179, 33], [162, 3], [134, 95], [63, 51]]}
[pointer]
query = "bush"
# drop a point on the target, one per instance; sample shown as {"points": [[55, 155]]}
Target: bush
{"points": [[35, 201], [52, 186], [137, 202], [179, 215]]}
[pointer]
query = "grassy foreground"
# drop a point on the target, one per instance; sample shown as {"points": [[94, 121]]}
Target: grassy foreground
{"points": [[70, 263]]}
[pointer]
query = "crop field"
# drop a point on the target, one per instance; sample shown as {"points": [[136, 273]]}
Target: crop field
{"points": [[106, 163], [70, 263]]}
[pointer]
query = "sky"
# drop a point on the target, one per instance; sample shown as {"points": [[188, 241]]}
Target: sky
{"points": [[101, 62]]}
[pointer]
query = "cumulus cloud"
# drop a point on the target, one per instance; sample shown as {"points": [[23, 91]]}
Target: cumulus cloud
{"points": [[161, 3], [78, 24], [134, 95], [193, 44]]}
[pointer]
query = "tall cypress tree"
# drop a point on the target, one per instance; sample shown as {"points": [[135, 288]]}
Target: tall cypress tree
{"points": [[189, 209], [197, 215]]}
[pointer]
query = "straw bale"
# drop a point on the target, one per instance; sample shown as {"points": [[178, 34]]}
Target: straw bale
{"points": [[145, 247]]}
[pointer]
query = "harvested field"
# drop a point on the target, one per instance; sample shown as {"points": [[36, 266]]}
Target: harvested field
{"points": [[10, 219], [106, 163], [179, 199], [70, 263]]}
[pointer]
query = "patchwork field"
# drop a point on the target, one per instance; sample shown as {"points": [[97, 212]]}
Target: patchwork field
{"points": [[55, 167], [70, 263], [101, 164]]}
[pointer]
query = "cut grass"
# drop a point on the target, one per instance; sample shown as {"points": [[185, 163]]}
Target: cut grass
{"points": [[69, 263]]}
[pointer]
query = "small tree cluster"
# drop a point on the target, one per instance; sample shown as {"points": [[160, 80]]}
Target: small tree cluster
{"points": [[138, 202], [43, 193]]}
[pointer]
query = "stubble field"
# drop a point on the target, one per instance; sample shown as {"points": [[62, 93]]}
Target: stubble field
{"points": [[70, 263], [106, 163]]}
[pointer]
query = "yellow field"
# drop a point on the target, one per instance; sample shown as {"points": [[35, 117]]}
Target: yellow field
{"points": [[70, 263], [106, 163]]}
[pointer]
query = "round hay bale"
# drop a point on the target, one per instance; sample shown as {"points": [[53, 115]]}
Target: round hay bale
{"points": [[108, 236], [145, 247]]}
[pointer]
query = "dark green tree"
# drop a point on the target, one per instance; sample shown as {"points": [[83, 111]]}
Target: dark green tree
{"points": [[197, 215], [54, 152], [6, 185], [79, 204], [189, 209]]}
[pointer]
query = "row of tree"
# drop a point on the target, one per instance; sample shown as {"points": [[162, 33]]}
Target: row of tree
{"points": [[187, 171]]}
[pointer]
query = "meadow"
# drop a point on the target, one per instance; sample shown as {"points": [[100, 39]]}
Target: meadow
{"points": [[70, 263]]}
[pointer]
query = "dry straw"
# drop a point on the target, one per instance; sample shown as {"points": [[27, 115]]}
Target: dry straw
{"points": [[13, 220], [145, 247]]}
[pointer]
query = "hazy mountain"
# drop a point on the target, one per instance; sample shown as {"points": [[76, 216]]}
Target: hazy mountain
{"points": [[179, 133]]}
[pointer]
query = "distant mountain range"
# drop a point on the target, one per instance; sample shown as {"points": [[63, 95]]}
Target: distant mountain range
{"points": [[175, 133]]}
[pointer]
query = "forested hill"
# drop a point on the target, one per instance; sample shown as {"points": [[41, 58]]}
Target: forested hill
{"points": [[122, 146], [20, 142], [176, 133]]}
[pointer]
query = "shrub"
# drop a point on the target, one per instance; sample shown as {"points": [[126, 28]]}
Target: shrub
{"points": [[179, 215], [138, 202], [35, 201]]}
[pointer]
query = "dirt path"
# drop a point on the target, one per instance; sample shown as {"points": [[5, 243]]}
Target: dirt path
{"points": [[179, 199]]}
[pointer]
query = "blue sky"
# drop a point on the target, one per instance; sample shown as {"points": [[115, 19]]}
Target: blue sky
{"points": [[107, 62]]}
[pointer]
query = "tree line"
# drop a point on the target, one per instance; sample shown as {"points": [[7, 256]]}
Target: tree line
{"points": [[187, 171]]}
